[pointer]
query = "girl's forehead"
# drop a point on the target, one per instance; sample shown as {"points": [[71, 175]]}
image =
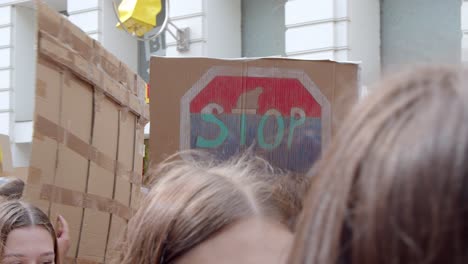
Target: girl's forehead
{"points": [[26, 239], [248, 241]]}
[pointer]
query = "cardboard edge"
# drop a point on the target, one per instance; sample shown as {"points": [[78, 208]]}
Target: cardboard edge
{"points": [[6, 160], [248, 59]]}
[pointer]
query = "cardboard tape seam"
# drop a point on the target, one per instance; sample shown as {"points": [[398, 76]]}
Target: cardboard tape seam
{"points": [[68, 58], [41, 88], [99, 97], [133, 177], [59, 195], [107, 64], [55, 132], [34, 175]]}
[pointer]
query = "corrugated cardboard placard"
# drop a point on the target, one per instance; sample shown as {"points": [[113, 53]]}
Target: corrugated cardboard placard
{"points": [[6, 164], [88, 111], [285, 110]]}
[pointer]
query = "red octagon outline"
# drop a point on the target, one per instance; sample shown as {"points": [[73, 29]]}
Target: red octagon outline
{"points": [[215, 71]]}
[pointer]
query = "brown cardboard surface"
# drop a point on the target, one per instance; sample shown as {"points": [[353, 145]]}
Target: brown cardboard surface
{"points": [[49, 79], [85, 137], [138, 162], [72, 168], [101, 181], [6, 164], [126, 142], [21, 173], [122, 188], [172, 78]]}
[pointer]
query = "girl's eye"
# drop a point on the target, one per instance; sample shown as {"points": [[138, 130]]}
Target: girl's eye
{"points": [[48, 262]]}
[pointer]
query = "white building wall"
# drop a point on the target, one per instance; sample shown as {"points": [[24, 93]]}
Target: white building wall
{"points": [[24, 58], [215, 27], [464, 27], [17, 78], [337, 30], [6, 68], [364, 38], [317, 29], [86, 15], [24, 78]]}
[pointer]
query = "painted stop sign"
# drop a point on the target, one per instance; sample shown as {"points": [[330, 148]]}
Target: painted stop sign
{"points": [[281, 115]]}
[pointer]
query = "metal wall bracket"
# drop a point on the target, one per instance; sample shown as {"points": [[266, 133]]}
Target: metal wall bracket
{"points": [[183, 39]]}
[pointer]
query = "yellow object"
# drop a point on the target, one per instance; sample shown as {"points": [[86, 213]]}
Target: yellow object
{"points": [[147, 91], [139, 16]]}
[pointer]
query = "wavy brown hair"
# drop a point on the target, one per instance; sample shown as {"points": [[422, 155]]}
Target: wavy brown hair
{"points": [[393, 186], [193, 199]]}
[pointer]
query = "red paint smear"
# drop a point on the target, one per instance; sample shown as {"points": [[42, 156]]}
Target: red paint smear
{"points": [[279, 93]]}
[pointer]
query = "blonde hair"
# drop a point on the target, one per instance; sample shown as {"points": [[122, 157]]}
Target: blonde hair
{"points": [[16, 214], [193, 199], [392, 188]]}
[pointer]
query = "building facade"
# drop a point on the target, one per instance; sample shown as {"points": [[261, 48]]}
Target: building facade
{"points": [[383, 35]]}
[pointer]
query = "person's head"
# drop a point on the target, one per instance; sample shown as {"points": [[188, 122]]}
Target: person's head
{"points": [[201, 211], [27, 235], [393, 185], [11, 187]]}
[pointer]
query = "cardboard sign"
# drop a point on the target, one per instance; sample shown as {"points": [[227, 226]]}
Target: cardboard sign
{"points": [[285, 110], [6, 164], [87, 149]]}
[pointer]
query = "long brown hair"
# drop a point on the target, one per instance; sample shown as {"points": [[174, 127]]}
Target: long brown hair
{"points": [[193, 199], [16, 214], [393, 186]]}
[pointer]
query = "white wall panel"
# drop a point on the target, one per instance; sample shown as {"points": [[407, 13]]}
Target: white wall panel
{"points": [[5, 57], [341, 34], [78, 5], [4, 100], [196, 50], [464, 15], [5, 123], [87, 21], [24, 63], [310, 37], [5, 78], [5, 15], [304, 11], [183, 7], [5, 36], [465, 48], [21, 154], [215, 27], [342, 55], [23, 132], [341, 8], [223, 28]]}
